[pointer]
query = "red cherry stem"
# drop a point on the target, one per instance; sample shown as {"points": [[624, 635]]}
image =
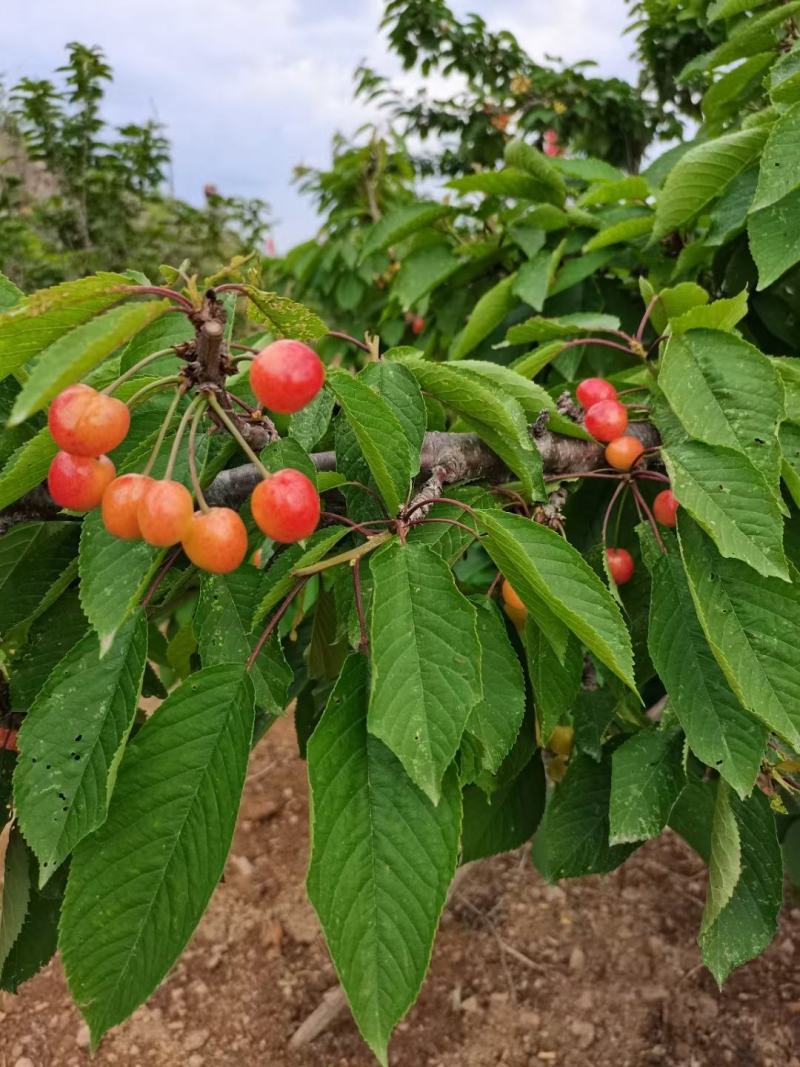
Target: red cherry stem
{"points": [[349, 339], [232, 429], [193, 475], [607, 516], [438, 500], [637, 494], [131, 371], [363, 529], [243, 348], [176, 444], [511, 494], [158, 290], [242, 404], [495, 582], [646, 317], [273, 622], [162, 432], [450, 522], [169, 563], [597, 341], [566, 476]]}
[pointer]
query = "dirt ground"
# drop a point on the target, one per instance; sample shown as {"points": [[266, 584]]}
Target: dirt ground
{"points": [[598, 973]]}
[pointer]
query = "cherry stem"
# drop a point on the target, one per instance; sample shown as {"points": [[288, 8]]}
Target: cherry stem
{"points": [[439, 500], [231, 287], [363, 644], [512, 494], [243, 348], [273, 622], [159, 290], [495, 582], [193, 475], [633, 389], [609, 509], [162, 431], [131, 371], [597, 341], [362, 529], [646, 317], [176, 444], [653, 476], [243, 404], [152, 387], [566, 476], [650, 517], [348, 338], [232, 429], [450, 522], [169, 563]]}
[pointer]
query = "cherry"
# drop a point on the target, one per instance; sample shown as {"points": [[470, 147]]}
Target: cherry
{"points": [[623, 452], [514, 607], [8, 738], [78, 482], [417, 325], [561, 741], [164, 513], [592, 390], [216, 540], [286, 506], [607, 420], [87, 423], [620, 564], [665, 508], [286, 375], [121, 505]]}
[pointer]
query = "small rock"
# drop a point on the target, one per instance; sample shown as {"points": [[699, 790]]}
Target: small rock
{"points": [[262, 811], [195, 1060], [195, 1040], [470, 1005], [577, 959], [554, 894], [530, 1019], [83, 1038], [23, 1061], [242, 865], [583, 1032]]}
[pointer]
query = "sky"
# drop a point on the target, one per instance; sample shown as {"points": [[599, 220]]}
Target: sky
{"points": [[247, 89]]}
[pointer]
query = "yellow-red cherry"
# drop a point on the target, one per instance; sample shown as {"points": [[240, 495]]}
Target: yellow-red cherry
{"points": [[286, 506], [87, 423], [286, 375], [623, 452], [511, 597], [78, 482], [665, 508], [620, 565], [164, 513], [216, 540], [120, 507], [607, 420], [592, 390]]}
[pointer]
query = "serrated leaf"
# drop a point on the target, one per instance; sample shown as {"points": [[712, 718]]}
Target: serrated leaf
{"points": [[222, 626], [166, 838], [555, 684], [572, 840], [486, 316], [725, 9], [544, 569], [530, 364], [287, 452], [425, 661], [507, 819], [496, 719], [732, 501], [779, 173], [380, 436], [533, 162], [718, 315], [719, 730], [579, 324], [10, 294], [284, 317], [576, 270], [33, 556], [631, 187], [382, 857], [49, 638], [309, 425], [16, 894], [71, 742], [533, 279], [423, 271], [397, 385], [165, 332], [749, 624], [72, 356], [32, 325], [672, 302], [784, 77], [619, 232], [747, 37], [450, 541], [510, 182], [401, 223], [278, 579], [726, 97], [647, 777], [725, 858], [701, 175], [789, 437], [774, 237], [36, 935]]}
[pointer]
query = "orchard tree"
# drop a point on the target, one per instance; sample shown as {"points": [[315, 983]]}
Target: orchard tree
{"points": [[541, 566]]}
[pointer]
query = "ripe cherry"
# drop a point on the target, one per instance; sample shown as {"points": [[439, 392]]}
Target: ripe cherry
{"points": [[78, 482], [8, 738], [665, 508], [164, 513], [620, 564], [512, 604], [592, 390], [216, 540], [286, 506], [120, 505], [87, 423], [623, 452], [417, 325], [607, 420], [286, 375]]}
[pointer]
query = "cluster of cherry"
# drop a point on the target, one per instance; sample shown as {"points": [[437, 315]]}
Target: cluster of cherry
{"points": [[86, 424]]}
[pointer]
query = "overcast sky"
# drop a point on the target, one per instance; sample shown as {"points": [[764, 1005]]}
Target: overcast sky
{"points": [[249, 88]]}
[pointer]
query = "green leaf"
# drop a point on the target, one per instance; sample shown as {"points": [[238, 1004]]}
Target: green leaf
{"points": [[16, 894], [725, 9], [533, 279], [222, 625], [165, 332], [646, 778], [71, 357], [774, 236], [579, 324], [400, 223], [779, 173], [725, 858], [380, 436], [719, 315], [486, 316], [382, 857], [532, 362], [33, 556], [166, 838], [426, 661], [789, 436], [510, 182], [747, 37], [496, 719], [572, 840], [544, 569], [36, 929], [631, 187], [732, 501], [701, 175], [719, 731], [309, 425], [672, 302], [114, 577], [71, 742], [49, 639], [576, 270], [287, 452], [555, 685], [784, 77], [726, 97], [748, 621], [421, 272], [284, 317], [397, 385], [278, 579], [533, 162], [619, 232], [10, 294], [507, 819], [42, 318]]}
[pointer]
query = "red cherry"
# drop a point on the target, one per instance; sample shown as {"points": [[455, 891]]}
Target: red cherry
{"points": [[286, 375], [623, 452], [665, 508], [286, 506], [511, 597], [216, 540], [607, 420], [592, 390], [164, 513], [87, 423], [620, 564], [121, 505], [78, 482], [417, 325], [8, 738]]}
